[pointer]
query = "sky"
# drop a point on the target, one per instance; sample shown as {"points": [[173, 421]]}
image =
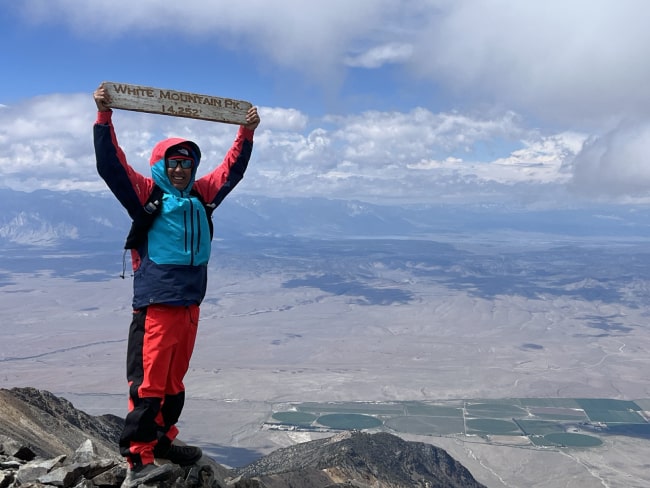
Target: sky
{"points": [[537, 103]]}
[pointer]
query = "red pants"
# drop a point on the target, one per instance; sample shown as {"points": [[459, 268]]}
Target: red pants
{"points": [[161, 341]]}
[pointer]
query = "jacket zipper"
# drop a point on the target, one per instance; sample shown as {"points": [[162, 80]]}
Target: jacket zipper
{"points": [[186, 229], [191, 231], [198, 231], [194, 222]]}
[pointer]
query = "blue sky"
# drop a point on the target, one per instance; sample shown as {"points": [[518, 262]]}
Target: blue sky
{"points": [[536, 103]]}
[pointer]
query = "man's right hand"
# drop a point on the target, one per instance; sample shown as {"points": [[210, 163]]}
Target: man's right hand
{"points": [[102, 99]]}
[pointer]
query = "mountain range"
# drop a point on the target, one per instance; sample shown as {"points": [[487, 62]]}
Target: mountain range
{"points": [[45, 218]]}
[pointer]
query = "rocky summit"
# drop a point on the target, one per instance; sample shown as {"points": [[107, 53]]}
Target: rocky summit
{"points": [[46, 442]]}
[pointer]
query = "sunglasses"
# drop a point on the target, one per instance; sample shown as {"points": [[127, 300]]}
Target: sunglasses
{"points": [[183, 163]]}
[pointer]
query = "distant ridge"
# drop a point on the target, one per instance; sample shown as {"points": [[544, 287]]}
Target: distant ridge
{"points": [[48, 219], [380, 459]]}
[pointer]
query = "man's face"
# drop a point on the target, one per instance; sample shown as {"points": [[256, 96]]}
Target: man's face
{"points": [[179, 172]]}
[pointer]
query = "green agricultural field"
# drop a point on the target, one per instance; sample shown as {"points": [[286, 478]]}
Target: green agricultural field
{"points": [[370, 408], [614, 416], [423, 425], [349, 421], [294, 418], [559, 414], [573, 440], [494, 410], [550, 402], [606, 404], [539, 427], [492, 427], [545, 421], [434, 410]]}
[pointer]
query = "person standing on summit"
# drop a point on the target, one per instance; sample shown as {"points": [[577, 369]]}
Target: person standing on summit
{"points": [[170, 243]]}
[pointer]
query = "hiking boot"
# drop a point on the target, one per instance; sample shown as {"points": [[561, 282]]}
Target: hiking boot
{"points": [[146, 473], [181, 455]]}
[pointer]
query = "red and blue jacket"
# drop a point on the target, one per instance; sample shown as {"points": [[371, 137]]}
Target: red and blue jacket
{"points": [[170, 265]]}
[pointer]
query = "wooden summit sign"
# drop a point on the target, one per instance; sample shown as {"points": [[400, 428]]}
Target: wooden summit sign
{"points": [[175, 103]]}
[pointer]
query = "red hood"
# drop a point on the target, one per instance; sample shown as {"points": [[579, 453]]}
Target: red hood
{"points": [[160, 149]]}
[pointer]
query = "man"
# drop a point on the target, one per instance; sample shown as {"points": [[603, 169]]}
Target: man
{"points": [[170, 246]]}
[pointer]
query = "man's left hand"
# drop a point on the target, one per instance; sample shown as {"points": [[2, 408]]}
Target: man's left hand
{"points": [[252, 119]]}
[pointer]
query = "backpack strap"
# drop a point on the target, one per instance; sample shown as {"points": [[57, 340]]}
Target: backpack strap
{"points": [[209, 208], [143, 221]]}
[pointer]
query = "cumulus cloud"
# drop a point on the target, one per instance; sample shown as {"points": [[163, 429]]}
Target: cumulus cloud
{"points": [[379, 55], [571, 62], [405, 156], [616, 164], [43, 138], [308, 36], [539, 161], [283, 119], [580, 62], [48, 141]]}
